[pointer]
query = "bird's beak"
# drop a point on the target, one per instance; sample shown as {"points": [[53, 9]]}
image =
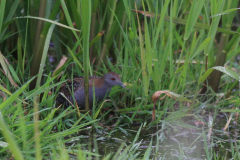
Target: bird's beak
{"points": [[121, 84]]}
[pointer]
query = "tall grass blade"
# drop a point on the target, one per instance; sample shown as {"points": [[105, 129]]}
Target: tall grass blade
{"points": [[193, 16], [86, 20], [14, 96], [9, 138]]}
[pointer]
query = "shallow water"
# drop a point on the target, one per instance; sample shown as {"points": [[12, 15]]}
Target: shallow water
{"points": [[173, 142]]}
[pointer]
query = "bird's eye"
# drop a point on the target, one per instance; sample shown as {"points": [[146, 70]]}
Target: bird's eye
{"points": [[113, 79]]}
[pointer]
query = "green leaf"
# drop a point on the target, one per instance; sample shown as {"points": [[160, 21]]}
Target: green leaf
{"points": [[193, 16], [225, 12], [228, 72], [205, 75], [14, 96], [51, 21], [221, 69], [201, 47]]}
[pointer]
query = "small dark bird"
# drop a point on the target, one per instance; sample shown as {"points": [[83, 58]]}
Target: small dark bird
{"points": [[102, 86]]}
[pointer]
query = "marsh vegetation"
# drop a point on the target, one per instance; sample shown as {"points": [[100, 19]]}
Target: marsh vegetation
{"points": [[179, 62]]}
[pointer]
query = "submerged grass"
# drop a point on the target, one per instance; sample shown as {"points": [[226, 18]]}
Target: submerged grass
{"points": [[167, 46]]}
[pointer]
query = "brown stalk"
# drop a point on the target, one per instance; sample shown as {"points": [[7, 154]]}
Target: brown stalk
{"points": [[38, 46]]}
